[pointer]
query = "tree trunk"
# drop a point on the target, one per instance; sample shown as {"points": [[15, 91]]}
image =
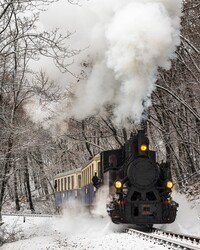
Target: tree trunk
{"points": [[43, 178], [7, 168], [16, 191], [27, 182]]}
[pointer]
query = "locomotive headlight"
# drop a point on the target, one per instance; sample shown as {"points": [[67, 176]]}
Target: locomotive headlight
{"points": [[143, 147], [118, 184], [169, 184]]}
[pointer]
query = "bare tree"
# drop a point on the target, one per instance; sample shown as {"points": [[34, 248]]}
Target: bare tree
{"points": [[20, 42], [176, 103]]}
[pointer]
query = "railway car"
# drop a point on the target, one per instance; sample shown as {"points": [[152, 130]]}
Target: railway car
{"points": [[77, 185], [67, 187], [138, 188]]}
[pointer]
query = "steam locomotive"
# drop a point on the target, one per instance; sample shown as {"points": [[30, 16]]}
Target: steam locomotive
{"points": [[139, 189]]}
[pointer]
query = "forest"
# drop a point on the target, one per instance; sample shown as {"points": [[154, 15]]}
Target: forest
{"points": [[33, 152]]}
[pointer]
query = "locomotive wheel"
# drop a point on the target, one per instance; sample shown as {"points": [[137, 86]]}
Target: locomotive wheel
{"points": [[115, 217]]}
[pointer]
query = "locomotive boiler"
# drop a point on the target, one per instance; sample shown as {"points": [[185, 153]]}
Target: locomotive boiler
{"points": [[139, 188]]}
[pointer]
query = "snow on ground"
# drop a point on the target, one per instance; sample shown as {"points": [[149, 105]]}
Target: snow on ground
{"points": [[81, 231], [69, 233]]}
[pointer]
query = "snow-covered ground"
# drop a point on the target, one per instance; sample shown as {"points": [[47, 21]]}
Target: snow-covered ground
{"points": [[76, 230], [69, 233]]}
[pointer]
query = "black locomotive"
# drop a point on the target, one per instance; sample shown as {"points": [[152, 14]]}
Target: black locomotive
{"points": [[139, 188]]}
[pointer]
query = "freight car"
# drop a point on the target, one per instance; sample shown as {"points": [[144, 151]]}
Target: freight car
{"points": [[139, 189]]}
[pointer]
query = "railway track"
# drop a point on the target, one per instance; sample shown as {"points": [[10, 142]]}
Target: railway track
{"points": [[169, 239]]}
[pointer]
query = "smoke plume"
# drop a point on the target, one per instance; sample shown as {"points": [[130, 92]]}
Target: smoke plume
{"points": [[126, 42]]}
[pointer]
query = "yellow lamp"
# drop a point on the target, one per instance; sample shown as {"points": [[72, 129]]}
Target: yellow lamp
{"points": [[118, 184], [143, 147], [169, 184]]}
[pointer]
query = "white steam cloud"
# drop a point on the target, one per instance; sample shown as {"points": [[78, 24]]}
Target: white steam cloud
{"points": [[127, 41], [185, 224]]}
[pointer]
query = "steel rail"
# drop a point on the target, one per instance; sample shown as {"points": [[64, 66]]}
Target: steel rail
{"points": [[186, 237], [174, 240]]}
